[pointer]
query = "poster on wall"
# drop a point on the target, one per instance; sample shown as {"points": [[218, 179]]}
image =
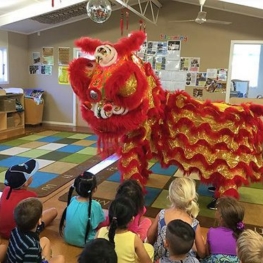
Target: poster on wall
{"points": [[152, 47], [174, 46], [34, 69], [172, 80], [211, 73], [63, 77], [201, 79], [173, 65], [36, 58], [222, 74], [78, 53], [63, 55], [194, 64], [48, 55], [185, 64], [190, 78], [162, 48], [160, 63], [46, 70]]}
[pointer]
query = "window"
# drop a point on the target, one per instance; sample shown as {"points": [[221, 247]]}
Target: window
{"points": [[245, 63], [3, 66]]}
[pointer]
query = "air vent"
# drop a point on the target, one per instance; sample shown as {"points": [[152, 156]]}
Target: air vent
{"points": [[64, 14]]}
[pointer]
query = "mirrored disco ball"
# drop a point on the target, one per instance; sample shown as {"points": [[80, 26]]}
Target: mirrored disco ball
{"points": [[99, 10]]}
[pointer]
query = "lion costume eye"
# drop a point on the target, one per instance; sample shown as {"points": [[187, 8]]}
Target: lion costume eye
{"points": [[94, 95]]}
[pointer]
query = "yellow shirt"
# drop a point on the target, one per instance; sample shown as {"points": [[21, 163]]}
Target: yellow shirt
{"points": [[124, 245]]}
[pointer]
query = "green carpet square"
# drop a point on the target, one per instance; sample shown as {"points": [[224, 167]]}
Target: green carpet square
{"points": [[258, 185], [2, 169], [89, 151], [67, 141], [14, 143], [55, 155], [33, 137], [162, 201], [64, 134], [251, 195], [2, 177], [34, 153], [203, 201], [76, 158], [80, 136]]}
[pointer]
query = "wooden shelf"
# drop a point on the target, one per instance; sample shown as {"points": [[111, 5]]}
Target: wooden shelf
{"points": [[12, 122]]}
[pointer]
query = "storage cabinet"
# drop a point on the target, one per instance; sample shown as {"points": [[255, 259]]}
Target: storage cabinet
{"points": [[12, 117]]}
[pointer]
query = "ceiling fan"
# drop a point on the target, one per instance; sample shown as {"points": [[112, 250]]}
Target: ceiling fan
{"points": [[201, 17]]}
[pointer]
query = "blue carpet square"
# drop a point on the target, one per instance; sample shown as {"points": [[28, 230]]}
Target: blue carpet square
{"points": [[151, 195], [157, 169], [4, 147], [92, 138], [49, 139], [13, 160], [116, 177], [71, 148], [41, 178], [203, 190]]}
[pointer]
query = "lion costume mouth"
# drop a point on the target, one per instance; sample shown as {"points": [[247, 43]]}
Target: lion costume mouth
{"points": [[106, 110]]}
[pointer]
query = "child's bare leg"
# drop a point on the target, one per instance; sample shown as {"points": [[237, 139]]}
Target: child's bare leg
{"points": [[46, 248], [49, 215], [3, 249]]}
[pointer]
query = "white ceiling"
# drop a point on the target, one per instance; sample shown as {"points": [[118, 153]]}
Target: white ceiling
{"points": [[15, 14]]}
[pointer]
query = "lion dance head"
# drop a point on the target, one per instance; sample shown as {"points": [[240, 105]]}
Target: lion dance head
{"points": [[115, 86]]}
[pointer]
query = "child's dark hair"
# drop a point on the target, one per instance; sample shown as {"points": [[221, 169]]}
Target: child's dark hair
{"points": [[27, 213], [232, 214], [84, 185], [131, 188], [121, 211], [97, 251], [180, 236]]}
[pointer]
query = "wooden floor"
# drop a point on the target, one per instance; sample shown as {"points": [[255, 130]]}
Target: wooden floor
{"points": [[58, 244]]}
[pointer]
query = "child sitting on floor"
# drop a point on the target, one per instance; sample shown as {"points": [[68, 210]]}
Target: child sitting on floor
{"points": [[140, 224], [179, 240], [128, 246], [24, 244], [183, 198], [250, 247], [221, 240], [82, 215], [3, 249], [98, 250], [17, 180]]}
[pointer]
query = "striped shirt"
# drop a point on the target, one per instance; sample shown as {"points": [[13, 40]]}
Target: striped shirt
{"points": [[24, 247]]}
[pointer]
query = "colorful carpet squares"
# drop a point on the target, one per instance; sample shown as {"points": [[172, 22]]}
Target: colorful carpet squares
{"points": [[157, 193], [61, 157], [64, 155]]}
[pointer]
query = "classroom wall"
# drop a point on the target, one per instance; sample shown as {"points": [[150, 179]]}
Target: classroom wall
{"points": [[208, 41]]}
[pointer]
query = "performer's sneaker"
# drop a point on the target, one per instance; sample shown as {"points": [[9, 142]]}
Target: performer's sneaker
{"points": [[211, 189], [212, 205]]}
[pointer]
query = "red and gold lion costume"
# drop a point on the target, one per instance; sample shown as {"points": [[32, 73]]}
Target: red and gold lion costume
{"points": [[125, 105]]}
